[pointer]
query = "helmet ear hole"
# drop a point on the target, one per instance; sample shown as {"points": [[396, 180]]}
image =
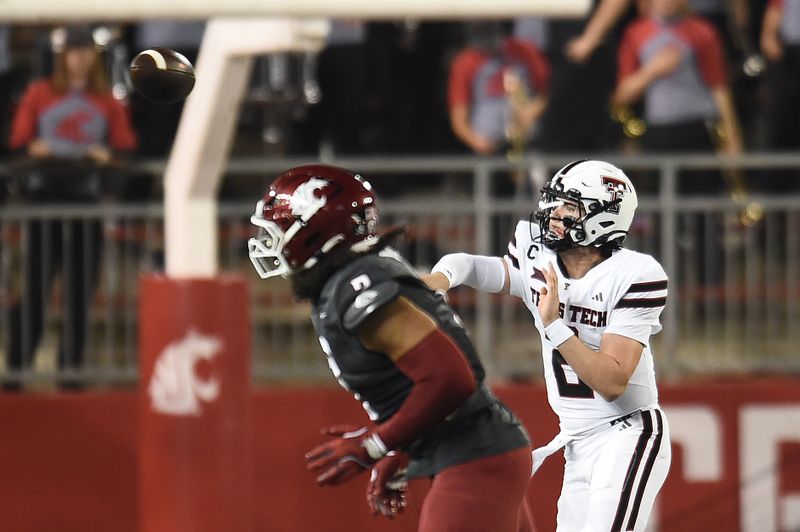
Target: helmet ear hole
{"points": [[311, 239]]}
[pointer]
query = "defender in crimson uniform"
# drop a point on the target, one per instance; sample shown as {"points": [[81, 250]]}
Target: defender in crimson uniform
{"points": [[595, 306], [400, 350]]}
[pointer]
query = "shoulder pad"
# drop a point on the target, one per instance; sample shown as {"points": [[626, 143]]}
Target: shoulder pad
{"points": [[647, 284], [368, 301], [365, 274], [518, 243], [522, 246], [646, 268]]}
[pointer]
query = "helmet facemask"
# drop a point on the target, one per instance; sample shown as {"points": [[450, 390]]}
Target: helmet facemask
{"points": [[266, 248], [553, 196], [308, 214]]}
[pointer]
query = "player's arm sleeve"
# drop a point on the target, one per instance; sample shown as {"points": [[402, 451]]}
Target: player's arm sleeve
{"points": [[477, 271], [636, 314], [435, 364]]}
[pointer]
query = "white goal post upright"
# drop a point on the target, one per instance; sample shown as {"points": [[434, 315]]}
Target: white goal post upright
{"points": [[200, 151], [202, 144]]}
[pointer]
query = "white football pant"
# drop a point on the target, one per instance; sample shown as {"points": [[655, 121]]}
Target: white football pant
{"points": [[612, 476]]}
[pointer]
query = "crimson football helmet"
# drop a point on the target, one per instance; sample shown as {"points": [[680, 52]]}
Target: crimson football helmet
{"points": [[607, 202], [306, 213]]}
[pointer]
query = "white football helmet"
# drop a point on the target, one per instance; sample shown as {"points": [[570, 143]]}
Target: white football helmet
{"points": [[607, 202]]}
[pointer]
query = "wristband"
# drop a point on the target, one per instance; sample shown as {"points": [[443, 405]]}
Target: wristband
{"points": [[375, 447], [558, 332]]}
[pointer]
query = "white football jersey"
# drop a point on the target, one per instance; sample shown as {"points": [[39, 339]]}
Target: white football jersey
{"points": [[624, 295]]}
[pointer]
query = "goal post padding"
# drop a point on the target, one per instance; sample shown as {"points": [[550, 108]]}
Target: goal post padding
{"points": [[195, 463], [194, 473]]}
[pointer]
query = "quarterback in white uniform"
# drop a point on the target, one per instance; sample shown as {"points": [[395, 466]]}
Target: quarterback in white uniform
{"points": [[595, 306]]}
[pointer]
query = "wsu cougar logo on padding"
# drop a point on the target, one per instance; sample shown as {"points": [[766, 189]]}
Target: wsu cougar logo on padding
{"points": [[174, 387]]}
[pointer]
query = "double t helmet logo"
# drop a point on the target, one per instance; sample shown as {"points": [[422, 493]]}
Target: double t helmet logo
{"points": [[616, 188]]}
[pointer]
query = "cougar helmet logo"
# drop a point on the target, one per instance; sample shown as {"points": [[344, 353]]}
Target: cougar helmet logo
{"points": [[616, 189], [305, 202]]}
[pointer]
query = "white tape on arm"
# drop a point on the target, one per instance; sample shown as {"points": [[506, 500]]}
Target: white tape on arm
{"points": [[482, 273]]}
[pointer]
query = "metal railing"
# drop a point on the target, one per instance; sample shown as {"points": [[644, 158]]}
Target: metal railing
{"points": [[735, 274]]}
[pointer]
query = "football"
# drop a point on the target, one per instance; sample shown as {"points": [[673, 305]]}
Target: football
{"points": [[162, 75]]}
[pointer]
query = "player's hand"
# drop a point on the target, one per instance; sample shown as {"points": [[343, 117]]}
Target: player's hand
{"points": [[340, 459], [387, 488], [548, 297], [436, 281]]}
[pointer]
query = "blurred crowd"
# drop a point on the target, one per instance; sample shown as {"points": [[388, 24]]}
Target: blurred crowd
{"points": [[633, 75], [713, 76]]}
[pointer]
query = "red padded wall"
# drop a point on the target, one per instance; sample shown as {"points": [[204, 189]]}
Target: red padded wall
{"points": [[69, 461]]}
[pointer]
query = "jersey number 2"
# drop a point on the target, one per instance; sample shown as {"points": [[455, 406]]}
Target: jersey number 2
{"points": [[575, 390]]}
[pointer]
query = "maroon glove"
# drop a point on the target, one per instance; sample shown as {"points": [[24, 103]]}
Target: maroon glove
{"points": [[386, 491], [341, 459]]}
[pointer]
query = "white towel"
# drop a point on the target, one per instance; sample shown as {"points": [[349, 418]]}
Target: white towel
{"points": [[540, 453]]}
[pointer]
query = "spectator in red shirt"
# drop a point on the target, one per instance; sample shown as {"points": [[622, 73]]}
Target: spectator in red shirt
{"points": [[72, 114], [675, 61], [497, 90], [71, 128]]}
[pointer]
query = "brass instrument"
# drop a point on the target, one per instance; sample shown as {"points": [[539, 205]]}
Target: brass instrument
{"points": [[751, 212], [517, 128], [632, 126]]}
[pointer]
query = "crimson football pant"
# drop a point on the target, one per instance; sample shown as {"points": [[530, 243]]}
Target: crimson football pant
{"points": [[485, 495]]}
